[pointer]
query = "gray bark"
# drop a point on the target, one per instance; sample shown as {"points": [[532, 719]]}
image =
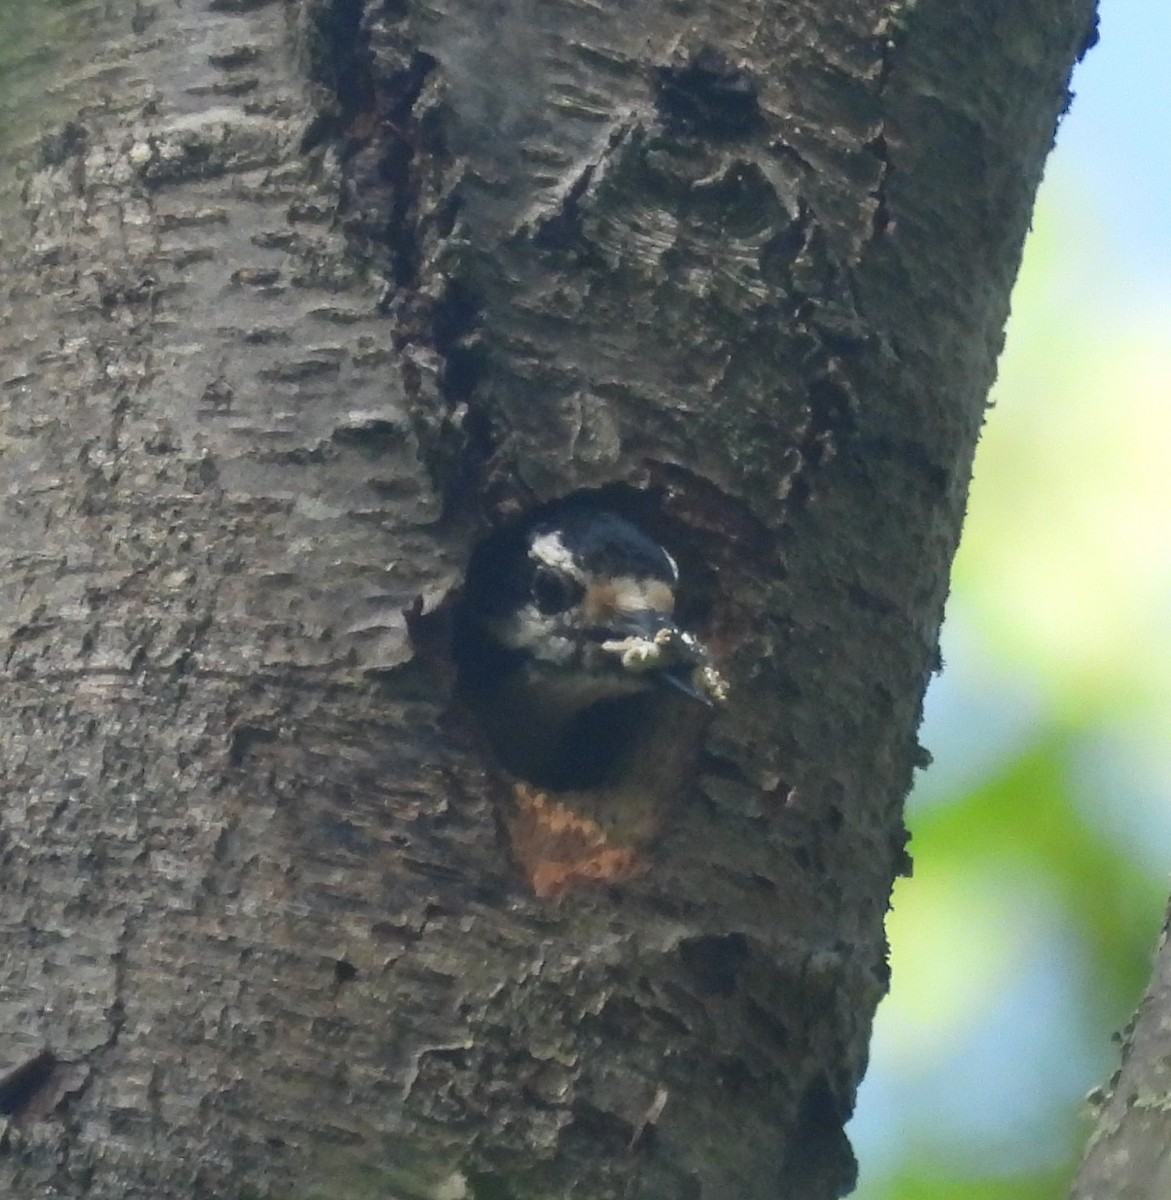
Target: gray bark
{"points": [[298, 302], [1128, 1156]]}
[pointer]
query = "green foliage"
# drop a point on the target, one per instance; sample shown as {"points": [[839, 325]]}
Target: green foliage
{"points": [[1024, 818], [930, 1186]]}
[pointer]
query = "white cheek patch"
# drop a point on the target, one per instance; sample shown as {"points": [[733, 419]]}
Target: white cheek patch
{"points": [[536, 633], [550, 551]]}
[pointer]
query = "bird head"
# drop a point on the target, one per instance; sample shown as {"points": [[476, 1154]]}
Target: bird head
{"points": [[585, 601]]}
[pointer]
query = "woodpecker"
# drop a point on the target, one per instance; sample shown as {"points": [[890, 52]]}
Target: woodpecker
{"points": [[567, 641]]}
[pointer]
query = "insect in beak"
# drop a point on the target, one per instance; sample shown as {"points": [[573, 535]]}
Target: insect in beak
{"points": [[655, 646]]}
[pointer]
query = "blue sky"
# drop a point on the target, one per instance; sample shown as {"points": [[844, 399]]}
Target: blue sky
{"points": [[1116, 140]]}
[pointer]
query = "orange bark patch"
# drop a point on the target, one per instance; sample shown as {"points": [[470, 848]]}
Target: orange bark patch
{"points": [[559, 850]]}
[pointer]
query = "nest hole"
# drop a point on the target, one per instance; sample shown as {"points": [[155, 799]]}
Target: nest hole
{"points": [[592, 748]]}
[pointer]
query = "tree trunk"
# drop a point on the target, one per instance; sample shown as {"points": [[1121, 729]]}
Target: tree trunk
{"points": [[1129, 1153], [300, 303]]}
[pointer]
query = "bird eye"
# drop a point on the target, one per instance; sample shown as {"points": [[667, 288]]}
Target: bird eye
{"points": [[555, 593]]}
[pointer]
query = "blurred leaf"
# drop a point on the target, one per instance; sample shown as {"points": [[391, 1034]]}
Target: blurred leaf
{"points": [[927, 1185], [1066, 553], [1024, 815]]}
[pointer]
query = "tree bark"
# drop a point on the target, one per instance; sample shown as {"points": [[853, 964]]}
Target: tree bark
{"points": [[1128, 1156], [301, 302]]}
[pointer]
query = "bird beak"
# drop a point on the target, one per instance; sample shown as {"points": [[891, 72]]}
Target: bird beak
{"points": [[654, 646], [684, 684]]}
